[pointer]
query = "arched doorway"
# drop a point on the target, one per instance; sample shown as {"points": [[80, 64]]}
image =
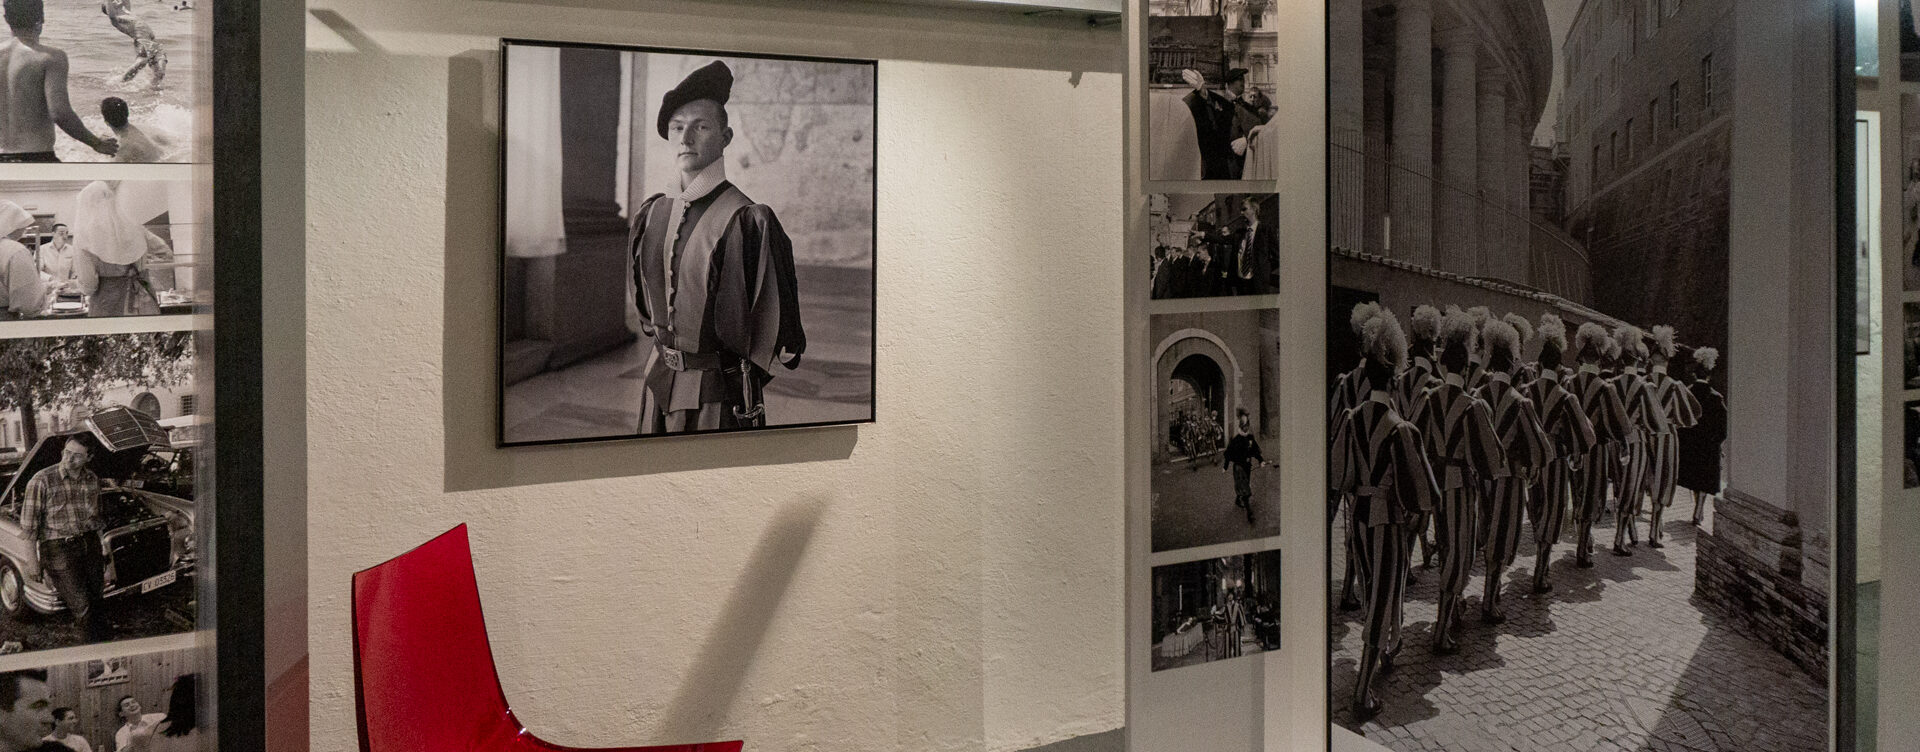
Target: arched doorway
{"points": [[1195, 406], [147, 403]]}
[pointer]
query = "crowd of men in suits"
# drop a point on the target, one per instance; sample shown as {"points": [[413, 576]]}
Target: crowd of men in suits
{"points": [[1223, 256], [1450, 440]]}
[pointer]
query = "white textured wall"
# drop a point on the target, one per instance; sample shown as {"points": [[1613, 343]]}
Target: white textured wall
{"points": [[946, 579]]}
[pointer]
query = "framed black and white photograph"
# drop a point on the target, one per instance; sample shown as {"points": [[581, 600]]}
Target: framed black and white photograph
{"points": [[98, 249], [1910, 346], [1216, 609], [1910, 445], [129, 91], [687, 242], [1208, 245], [1211, 67], [1909, 249], [149, 700], [1216, 420], [98, 437], [1560, 327]]}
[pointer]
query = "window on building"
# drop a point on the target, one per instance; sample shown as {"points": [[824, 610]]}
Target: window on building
{"points": [[1593, 174], [186, 404], [1706, 82], [1672, 7], [1653, 121], [1673, 106], [1650, 10], [1628, 156], [1613, 151]]}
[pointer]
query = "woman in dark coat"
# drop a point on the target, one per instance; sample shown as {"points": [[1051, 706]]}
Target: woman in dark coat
{"points": [[1700, 444]]}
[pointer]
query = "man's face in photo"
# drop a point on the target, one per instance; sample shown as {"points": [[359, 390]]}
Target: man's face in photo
{"points": [[699, 134], [68, 723], [30, 718], [1238, 86]]}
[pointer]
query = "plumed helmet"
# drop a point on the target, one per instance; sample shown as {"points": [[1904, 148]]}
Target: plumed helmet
{"points": [[1426, 323], [1520, 325], [1663, 340], [1480, 314], [1553, 332], [1458, 330], [1591, 337], [1707, 357], [1362, 312], [1502, 337], [1383, 342]]}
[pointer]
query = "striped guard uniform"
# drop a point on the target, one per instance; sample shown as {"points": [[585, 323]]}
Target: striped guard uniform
{"points": [[1682, 410], [1600, 401], [1527, 449], [1571, 434], [1459, 430], [1644, 420], [1379, 461]]}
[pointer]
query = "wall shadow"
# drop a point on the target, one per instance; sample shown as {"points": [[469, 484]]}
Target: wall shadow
{"points": [[470, 395], [699, 709]]}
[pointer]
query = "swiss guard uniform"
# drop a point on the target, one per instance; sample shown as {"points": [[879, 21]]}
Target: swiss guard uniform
{"points": [[1600, 401], [714, 285], [1572, 437], [1644, 420], [1458, 428], [1527, 449], [1682, 411], [1378, 461]]}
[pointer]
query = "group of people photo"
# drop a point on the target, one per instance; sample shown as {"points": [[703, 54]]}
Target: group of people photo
{"points": [[94, 249], [1216, 609], [69, 708], [1449, 439], [1208, 246], [68, 70]]}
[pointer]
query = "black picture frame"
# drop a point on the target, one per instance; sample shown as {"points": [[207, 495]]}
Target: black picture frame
{"points": [[1843, 620], [872, 287]]}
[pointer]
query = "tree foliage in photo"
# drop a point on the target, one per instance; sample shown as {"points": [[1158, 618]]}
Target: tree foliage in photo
{"points": [[67, 371]]}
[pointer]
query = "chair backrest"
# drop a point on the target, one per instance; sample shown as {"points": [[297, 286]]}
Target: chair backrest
{"points": [[423, 670]]}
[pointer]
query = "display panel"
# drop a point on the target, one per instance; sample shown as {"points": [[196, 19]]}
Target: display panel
{"points": [[1216, 609], [99, 249], [1561, 321], [1210, 76], [1216, 419], [1213, 245], [114, 81], [687, 242]]}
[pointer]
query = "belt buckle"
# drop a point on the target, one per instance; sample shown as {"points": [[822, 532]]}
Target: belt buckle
{"points": [[674, 360]]}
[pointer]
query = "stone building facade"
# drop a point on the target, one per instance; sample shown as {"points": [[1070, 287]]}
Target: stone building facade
{"points": [[1212, 36], [1646, 111], [1433, 105]]}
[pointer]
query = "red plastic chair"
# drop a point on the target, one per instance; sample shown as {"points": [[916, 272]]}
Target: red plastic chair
{"points": [[423, 671]]}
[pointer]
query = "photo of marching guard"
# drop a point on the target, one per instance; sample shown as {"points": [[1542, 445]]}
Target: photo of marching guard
{"points": [[1595, 230], [1481, 438]]}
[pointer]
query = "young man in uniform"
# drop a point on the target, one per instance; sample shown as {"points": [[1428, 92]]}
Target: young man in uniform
{"points": [[713, 277]]}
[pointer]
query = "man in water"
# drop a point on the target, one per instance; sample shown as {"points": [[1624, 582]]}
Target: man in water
{"points": [[33, 92], [146, 49], [135, 144]]}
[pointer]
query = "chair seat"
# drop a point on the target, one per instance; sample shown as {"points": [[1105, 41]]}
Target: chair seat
{"points": [[424, 678]]}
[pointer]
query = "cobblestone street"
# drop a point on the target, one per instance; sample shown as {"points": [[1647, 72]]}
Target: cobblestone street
{"points": [[1618, 657]]}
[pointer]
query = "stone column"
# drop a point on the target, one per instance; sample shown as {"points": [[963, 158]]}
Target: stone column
{"points": [[1375, 201], [1517, 259], [1412, 171], [1457, 229], [1493, 170], [1346, 121]]}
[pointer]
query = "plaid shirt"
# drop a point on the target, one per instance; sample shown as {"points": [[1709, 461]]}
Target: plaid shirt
{"points": [[59, 505]]}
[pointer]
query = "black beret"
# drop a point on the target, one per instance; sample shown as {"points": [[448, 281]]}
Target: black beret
{"points": [[712, 81], [1236, 74]]}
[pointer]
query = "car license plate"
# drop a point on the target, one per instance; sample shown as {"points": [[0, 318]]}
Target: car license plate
{"points": [[158, 581]]}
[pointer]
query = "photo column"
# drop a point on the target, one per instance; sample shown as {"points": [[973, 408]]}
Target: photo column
{"points": [[106, 427], [1223, 256]]}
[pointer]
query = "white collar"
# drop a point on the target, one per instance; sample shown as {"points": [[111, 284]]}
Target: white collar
{"points": [[1381, 396], [1589, 368], [1501, 376], [1456, 379], [1662, 370], [709, 178]]}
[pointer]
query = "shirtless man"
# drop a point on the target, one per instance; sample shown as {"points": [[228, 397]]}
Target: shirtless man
{"points": [[146, 49], [33, 92], [135, 144]]}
